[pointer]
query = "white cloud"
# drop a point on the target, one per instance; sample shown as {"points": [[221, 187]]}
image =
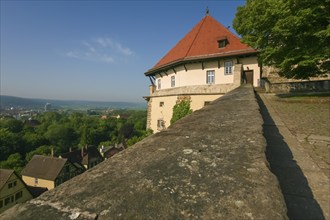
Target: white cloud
{"points": [[100, 49], [104, 42], [109, 43], [124, 50], [89, 46]]}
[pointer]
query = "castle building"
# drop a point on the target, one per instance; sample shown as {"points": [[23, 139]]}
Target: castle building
{"points": [[204, 65]]}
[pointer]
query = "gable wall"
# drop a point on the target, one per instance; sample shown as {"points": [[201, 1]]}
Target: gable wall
{"points": [[68, 171], [30, 181], [16, 194]]}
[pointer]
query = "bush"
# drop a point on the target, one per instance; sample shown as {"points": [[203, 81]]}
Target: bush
{"points": [[180, 110]]}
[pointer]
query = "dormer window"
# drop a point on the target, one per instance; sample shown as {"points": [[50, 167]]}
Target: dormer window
{"points": [[222, 42]]}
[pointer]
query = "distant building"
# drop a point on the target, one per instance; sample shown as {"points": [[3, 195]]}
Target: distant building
{"points": [[111, 151], [48, 107], [204, 65], [87, 157], [12, 190], [49, 172]]}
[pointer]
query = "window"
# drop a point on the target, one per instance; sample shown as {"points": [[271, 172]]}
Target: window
{"points": [[159, 85], [210, 77], [222, 43], [160, 124], [228, 68], [10, 185], [36, 181], [15, 183], [1, 204], [172, 81], [207, 103], [161, 104], [18, 195]]}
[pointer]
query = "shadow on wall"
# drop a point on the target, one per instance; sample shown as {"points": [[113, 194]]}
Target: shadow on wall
{"points": [[298, 196]]}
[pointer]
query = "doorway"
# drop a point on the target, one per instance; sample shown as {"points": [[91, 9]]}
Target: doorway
{"points": [[248, 77]]}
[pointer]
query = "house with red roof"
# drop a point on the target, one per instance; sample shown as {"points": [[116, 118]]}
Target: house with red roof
{"points": [[206, 63]]}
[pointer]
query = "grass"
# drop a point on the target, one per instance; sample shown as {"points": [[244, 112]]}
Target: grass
{"points": [[304, 95]]}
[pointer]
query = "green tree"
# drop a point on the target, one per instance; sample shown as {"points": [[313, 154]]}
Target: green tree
{"points": [[138, 138], [12, 125], [10, 143], [180, 110], [14, 162], [43, 150], [291, 35], [61, 136], [33, 140]]}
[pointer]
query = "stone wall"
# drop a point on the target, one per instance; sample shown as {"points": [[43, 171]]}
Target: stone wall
{"points": [[208, 165], [296, 86]]}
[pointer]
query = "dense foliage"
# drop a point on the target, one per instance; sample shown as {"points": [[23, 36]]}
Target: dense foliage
{"points": [[180, 110], [21, 139], [292, 35]]}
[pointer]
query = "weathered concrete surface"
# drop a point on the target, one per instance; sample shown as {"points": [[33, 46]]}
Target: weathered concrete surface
{"points": [[305, 186], [209, 165]]}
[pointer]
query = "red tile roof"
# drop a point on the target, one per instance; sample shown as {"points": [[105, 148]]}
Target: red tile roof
{"points": [[202, 42]]}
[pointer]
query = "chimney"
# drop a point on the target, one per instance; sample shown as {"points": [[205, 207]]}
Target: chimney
{"points": [[70, 149], [52, 152], [82, 152]]}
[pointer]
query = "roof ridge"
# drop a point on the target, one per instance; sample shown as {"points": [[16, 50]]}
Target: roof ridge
{"points": [[192, 43]]}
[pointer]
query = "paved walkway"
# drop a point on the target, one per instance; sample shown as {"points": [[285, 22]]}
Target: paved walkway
{"points": [[302, 171]]}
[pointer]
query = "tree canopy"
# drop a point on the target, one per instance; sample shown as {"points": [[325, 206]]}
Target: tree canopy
{"points": [[292, 35], [58, 132]]}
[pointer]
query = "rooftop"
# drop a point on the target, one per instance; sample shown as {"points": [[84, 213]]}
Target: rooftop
{"points": [[202, 42], [44, 167]]}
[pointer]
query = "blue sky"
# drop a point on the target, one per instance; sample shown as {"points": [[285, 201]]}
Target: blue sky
{"points": [[93, 50]]}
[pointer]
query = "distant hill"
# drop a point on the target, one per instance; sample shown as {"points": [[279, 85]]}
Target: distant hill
{"points": [[18, 102]]}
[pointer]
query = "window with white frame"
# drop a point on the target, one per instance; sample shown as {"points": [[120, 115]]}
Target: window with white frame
{"points": [[159, 84], [228, 67], [210, 77], [172, 81]]}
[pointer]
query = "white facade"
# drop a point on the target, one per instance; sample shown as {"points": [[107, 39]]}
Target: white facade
{"points": [[192, 81], [195, 75]]}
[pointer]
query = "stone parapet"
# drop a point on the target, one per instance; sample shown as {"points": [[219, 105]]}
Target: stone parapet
{"points": [[208, 165], [196, 90], [322, 85]]}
